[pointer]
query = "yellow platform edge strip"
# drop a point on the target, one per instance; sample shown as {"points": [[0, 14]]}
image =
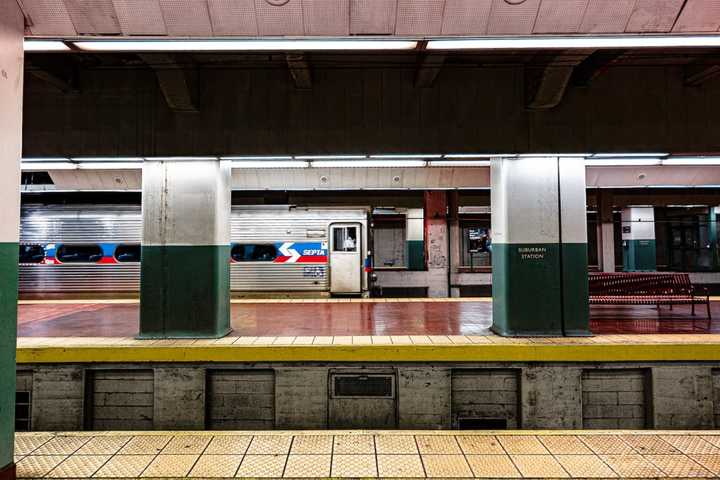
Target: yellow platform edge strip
{"points": [[373, 353]]}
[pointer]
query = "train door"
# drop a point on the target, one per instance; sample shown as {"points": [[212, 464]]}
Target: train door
{"points": [[345, 258]]}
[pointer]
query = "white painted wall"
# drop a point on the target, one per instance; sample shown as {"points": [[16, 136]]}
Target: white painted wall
{"points": [[641, 221]]}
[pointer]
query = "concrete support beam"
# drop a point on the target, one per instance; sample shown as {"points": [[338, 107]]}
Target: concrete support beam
{"points": [[545, 88], [185, 271], [594, 66], [424, 397], [61, 77], [11, 97], [682, 397], [179, 399], [299, 71], [175, 82], [428, 69], [539, 246], [551, 397], [698, 74], [436, 243]]}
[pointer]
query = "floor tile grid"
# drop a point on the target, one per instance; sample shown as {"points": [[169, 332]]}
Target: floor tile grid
{"points": [[514, 460], [422, 463]]}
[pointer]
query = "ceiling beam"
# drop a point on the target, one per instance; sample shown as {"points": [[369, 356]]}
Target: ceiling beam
{"points": [[697, 74], [594, 66], [63, 77], [176, 83], [428, 69], [546, 86], [299, 70]]}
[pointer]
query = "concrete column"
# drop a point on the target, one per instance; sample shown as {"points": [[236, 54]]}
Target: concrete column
{"points": [[606, 233], [539, 229], [11, 93], [414, 240], [455, 240], [638, 237], [436, 244], [185, 272]]}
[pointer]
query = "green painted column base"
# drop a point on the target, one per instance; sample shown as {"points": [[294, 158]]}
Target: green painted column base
{"points": [[8, 473], [185, 292], [639, 256], [576, 306], [8, 341], [415, 255]]}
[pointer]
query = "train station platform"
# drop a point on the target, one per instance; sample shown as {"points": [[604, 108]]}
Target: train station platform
{"points": [[369, 454]]}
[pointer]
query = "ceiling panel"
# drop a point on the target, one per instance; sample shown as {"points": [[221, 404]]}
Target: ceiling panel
{"points": [[186, 17], [419, 17], [603, 16], [233, 17], [140, 17], [512, 19], [281, 19], [699, 16], [654, 15], [326, 17], [466, 17], [48, 17], [93, 17], [372, 17], [560, 16]]}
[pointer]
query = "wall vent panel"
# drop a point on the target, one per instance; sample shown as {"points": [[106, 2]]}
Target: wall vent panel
{"points": [[485, 399], [614, 399], [240, 399], [119, 399]]}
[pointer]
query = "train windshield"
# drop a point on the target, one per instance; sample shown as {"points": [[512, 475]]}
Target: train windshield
{"points": [[127, 253], [32, 253], [79, 254], [254, 253]]}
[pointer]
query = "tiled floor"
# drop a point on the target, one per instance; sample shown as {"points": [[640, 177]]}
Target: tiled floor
{"points": [[357, 318], [369, 454]]}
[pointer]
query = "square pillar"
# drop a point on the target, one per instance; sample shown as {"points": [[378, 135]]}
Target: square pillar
{"points": [[185, 271], [11, 96], [414, 240], [436, 243], [606, 233], [539, 231], [638, 239]]}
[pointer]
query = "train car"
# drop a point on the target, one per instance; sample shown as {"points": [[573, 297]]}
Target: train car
{"points": [[82, 250]]}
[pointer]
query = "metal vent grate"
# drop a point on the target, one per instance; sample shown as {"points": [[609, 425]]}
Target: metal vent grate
{"points": [[22, 411], [482, 424], [363, 386]]}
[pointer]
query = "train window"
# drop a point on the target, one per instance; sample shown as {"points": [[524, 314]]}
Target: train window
{"points": [[345, 239], [32, 253], [254, 253], [79, 254], [127, 253]]}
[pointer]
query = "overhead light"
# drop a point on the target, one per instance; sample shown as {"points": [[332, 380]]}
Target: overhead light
{"points": [[271, 157], [246, 45], [621, 162], [405, 156], [692, 161], [629, 155], [43, 166], [180, 159], [107, 159], [269, 164], [30, 45], [575, 42], [109, 166], [367, 163], [329, 157], [470, 155], [459, 163]]}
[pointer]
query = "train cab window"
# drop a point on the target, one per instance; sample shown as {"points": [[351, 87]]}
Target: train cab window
{"points": [[254, 253], [345, 239], [32, 253], [127, 253], [79, 253]]}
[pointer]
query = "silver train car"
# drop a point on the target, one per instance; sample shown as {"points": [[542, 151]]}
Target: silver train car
{"points": [[81, 250]]}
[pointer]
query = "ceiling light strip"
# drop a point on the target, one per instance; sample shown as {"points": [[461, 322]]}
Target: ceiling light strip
{"points": [[575, 42], [244, 45]]}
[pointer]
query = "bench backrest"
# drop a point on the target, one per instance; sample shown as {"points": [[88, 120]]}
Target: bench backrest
{"points": [[639, 284]]}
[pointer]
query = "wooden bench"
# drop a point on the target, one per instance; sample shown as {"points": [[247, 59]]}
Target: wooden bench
{"points": [[645, 289]]}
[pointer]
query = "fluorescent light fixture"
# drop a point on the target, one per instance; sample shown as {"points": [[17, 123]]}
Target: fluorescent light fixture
{"points": [[692, 161], [391, 156], [272, 157], [629, 155], [330, 157], [109, 166], [471, 155], [42, 166], [246, 45], [106, 159], [459, 163], [269, 164], [368, 163], [575, 41], [180, 159], [44, 46], [622, 162]]}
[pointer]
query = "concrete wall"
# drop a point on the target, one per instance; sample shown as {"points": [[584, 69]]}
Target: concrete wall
{"points": [[427, 396], [259, 111]]}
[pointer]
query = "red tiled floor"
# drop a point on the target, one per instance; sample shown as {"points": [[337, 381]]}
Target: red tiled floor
{"points": [[391, 318]]}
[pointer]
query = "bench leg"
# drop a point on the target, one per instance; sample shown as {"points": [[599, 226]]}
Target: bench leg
{"points": [[693, 308], [671, 307], [708, 310]]}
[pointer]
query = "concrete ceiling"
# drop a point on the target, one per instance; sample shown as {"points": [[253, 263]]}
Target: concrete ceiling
{"points": [[207, 18]]}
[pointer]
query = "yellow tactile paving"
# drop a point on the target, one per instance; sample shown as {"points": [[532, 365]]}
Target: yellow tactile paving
{"points": [[186, 444], [395, 444], [216, 466], [61, 445], [436, 444], [446, 466], [104, 445], [688, 444], [565, 444], [354, 466], [79, 466], [38, 466], [270, 445], [714, 439], [606, 444], [262, 466], [25, 444], [678, 466], [479, 445], [631, 466], [353, 444], [521, 445], [539, 466], [493, 466], [585, 466], [229, 445], [400, 466], [710, 462], [124, 466], [145, 444], [307, 466], [650, 444], [169, 466], [312, 445]]}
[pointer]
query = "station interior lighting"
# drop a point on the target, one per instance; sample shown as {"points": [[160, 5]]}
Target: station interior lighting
{"points": [[45, 46]]}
